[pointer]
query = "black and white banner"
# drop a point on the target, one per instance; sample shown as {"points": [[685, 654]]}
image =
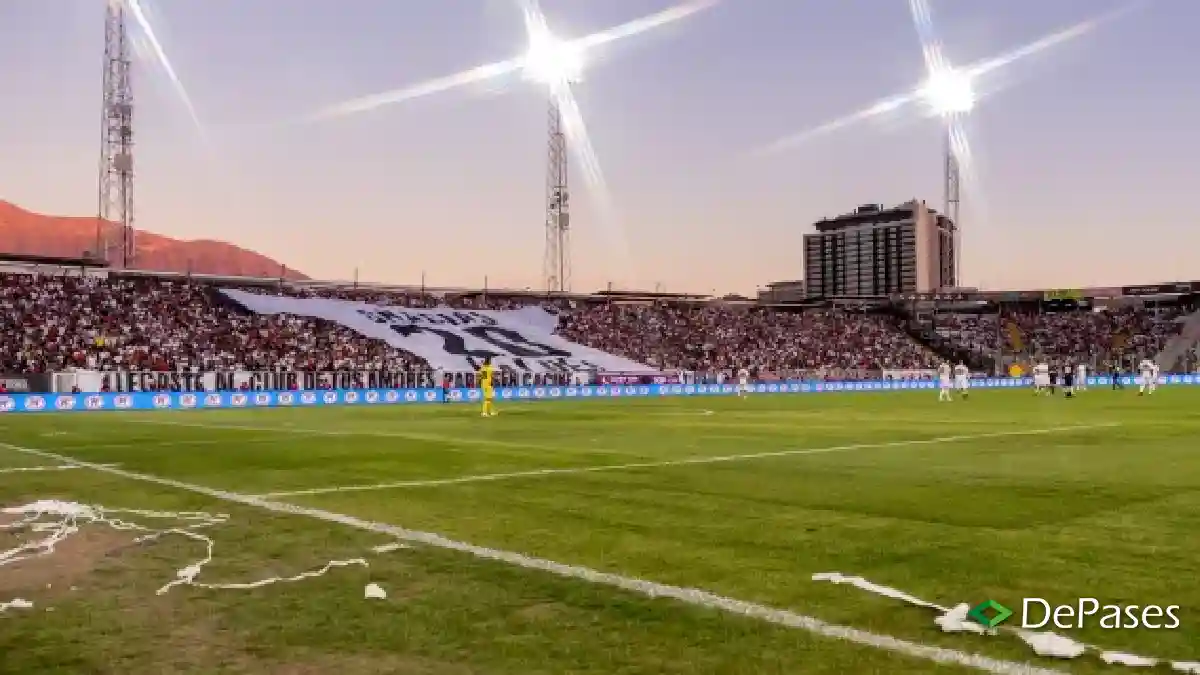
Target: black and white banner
{"points": [[134, 381], [453, 340]]}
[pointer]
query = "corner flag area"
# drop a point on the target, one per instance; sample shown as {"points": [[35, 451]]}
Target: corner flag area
{"points": [[632, 536]]}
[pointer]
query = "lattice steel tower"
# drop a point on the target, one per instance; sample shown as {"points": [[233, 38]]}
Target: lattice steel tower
{"points": [[116, 143], [557, 263], [952, 179]]}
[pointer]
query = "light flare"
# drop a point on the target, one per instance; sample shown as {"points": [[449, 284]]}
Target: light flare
{"points": [[550, 61], [140, 16], [490, 71], [438, 85], [555, 64], [949, 92], [932, 52]]}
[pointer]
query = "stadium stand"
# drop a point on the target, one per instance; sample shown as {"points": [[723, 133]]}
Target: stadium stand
{"points": [[1077, 335], [158, 323], [1098, 337], [140, 321], [52, 323]]}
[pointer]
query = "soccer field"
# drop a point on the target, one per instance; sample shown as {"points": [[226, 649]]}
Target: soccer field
{"points": [[633, 536]]}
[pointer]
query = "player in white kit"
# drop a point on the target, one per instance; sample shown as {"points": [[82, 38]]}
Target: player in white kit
{"points": [[962, 379], [743, 383], [1041, 379], [1080, 378], [1149, 377], [944, 382]]}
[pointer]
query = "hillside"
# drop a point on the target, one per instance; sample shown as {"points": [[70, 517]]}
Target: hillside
{"points": [[27, 233]]}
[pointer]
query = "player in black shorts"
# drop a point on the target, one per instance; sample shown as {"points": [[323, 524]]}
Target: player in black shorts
{"points": [[1068, 380]]}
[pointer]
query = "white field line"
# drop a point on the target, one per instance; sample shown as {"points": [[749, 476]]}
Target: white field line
{"points": [[691, 596], [681, 462], [53, 467]]}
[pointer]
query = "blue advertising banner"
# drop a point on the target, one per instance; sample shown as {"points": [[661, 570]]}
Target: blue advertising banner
{"points": [[13, 403], [213, 400], [797, 387]]}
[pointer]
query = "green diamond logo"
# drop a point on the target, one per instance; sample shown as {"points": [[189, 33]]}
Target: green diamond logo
{"points": [[990, 613]]}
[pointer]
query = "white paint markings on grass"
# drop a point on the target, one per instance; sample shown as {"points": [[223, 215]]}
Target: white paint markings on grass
{"points": [[558, 471], [1044, 643], [691, 596], [53, 467]]}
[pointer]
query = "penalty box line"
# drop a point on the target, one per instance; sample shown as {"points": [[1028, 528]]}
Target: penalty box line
{"points": [[558, 471], [691, 596]]}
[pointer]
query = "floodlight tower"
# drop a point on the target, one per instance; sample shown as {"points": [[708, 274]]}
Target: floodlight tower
{"points": [[951, 95], [116, 140], [555, 65], [951, 199], [557, 262]]}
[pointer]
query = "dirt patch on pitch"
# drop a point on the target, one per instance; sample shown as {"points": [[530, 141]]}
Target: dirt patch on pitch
{"points": [[68, 564], [540, 612]]}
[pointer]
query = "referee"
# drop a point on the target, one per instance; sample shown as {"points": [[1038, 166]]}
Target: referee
{"points": [[1115, 367]]}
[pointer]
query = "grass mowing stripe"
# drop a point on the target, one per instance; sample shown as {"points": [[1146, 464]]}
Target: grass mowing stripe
{"points": [[691, 596], [429, 438], [679, 462]]}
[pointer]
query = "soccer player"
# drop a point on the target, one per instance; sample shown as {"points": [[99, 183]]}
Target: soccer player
{"points": [[1041, 379], [962, 379], [1149, 379], [743, 383], [944, 382], [487, 375], [1081, 378], [1068, 381]]}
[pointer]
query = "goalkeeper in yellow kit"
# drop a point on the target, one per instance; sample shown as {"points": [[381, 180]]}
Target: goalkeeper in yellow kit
{"points": [[486, 377]]}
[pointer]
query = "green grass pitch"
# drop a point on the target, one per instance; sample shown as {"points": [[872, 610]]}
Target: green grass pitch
{"points": [[1004, 496]]}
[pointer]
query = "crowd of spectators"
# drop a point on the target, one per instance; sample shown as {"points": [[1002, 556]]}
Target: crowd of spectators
{"points": [[52, 323], [145, 323], [980, 333], [55, 323], [725, 338], [1096, 338]]}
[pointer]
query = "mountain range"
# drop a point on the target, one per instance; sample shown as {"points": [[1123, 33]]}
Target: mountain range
{"points": [[23, 232]]}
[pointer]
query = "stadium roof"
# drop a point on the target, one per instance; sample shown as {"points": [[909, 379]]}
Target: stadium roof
{"points": [[1142, 290], [23, 259]]}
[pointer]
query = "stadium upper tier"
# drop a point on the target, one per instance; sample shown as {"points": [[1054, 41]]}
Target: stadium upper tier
{"points": [[137, 321]]}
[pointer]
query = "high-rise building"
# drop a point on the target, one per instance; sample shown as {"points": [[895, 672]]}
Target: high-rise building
{"points": [[876, 251]]}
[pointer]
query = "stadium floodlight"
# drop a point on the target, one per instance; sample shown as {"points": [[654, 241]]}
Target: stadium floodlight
{"points": [[550, 62], [949, 92], [555, 64], [947, 89], [574, 49]]}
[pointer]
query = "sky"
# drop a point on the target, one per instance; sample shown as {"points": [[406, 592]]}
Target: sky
{"points": [[1082, 173]]}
